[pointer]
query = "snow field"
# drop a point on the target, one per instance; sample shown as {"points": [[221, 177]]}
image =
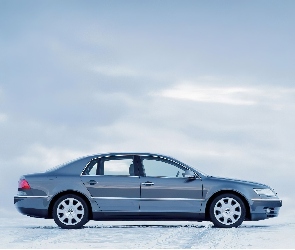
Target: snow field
{"points": [[26, 232]]}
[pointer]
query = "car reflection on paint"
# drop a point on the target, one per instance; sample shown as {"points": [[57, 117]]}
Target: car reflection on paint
{"points": [[141, 186]]}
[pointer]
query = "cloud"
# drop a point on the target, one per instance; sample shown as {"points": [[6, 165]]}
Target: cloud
{"points": [[115, 71], [3, 117], [40, 157], [275, 97]]}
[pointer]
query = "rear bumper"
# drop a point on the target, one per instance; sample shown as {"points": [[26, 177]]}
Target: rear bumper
{"points": [[34, 206], [262, 209]]}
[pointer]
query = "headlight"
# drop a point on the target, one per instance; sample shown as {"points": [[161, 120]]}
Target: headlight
{"points": [[264, 191]]}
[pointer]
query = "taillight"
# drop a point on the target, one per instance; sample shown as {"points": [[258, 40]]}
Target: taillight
{"points": [[23, 184]]}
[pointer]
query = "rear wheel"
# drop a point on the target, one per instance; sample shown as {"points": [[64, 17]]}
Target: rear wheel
{"points": [[227, 210], [70, 212]]}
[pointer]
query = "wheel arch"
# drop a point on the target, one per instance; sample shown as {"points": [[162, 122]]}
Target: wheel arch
{"points": [[242, 197], [58, 195]]}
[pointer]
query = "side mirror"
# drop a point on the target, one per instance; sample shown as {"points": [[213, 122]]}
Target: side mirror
{"points": [[189, 174]]}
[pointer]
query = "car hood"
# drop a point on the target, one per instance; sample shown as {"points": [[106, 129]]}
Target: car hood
{"points": [[239, 181]]}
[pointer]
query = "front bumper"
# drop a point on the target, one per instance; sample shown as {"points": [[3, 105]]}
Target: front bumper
{"points": [[262, 209], [34, 206]]}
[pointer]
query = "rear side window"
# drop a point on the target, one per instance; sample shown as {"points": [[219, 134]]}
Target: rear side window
{"points": [[91, 168], [111, 166], [117, 167]]}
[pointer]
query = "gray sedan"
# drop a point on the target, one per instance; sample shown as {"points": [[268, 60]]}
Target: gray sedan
{"points": [[141, 186]]}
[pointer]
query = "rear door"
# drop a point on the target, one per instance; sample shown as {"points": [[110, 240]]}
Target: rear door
{"points": [[165, 189], [113, 183]]}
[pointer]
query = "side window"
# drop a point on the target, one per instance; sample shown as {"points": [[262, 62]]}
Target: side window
{"points": [[112, 166], [117, 166], [91, 167], [158, 168]]}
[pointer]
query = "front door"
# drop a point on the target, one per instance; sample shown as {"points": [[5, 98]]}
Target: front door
{"points": [[164, 188], [113, 183]]}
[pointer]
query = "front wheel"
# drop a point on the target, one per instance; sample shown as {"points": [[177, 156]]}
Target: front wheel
{"points": [[70, 212], [227, 210]]}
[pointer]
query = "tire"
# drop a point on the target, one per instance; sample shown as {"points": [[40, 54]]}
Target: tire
{"points": [[227, 210], [70, 212]]}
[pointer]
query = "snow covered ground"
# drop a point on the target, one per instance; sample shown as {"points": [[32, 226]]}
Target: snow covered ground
{"points": [[26, 232]]}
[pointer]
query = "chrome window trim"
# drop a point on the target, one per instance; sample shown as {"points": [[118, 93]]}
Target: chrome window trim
{"points": [[144, 155], [164, 177], [94, 175]]}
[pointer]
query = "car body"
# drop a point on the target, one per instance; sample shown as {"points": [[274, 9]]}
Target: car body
{"points": [[141, 186]]}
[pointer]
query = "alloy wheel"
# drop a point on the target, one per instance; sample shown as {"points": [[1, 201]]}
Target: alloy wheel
{"points": [[227, 211], [70, 211]]}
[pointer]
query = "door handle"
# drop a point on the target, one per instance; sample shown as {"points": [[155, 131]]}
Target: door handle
{"points": [[92, 182], [147, 183]]}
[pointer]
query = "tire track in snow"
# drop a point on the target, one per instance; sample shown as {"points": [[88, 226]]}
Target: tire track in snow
{"points": [[181, 236], [219, 238]]}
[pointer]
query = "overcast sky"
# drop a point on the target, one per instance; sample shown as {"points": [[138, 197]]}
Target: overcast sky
{"points": [[211, 83]]}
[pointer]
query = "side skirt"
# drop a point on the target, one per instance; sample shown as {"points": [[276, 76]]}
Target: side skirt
{"points": [[145, 216]]}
